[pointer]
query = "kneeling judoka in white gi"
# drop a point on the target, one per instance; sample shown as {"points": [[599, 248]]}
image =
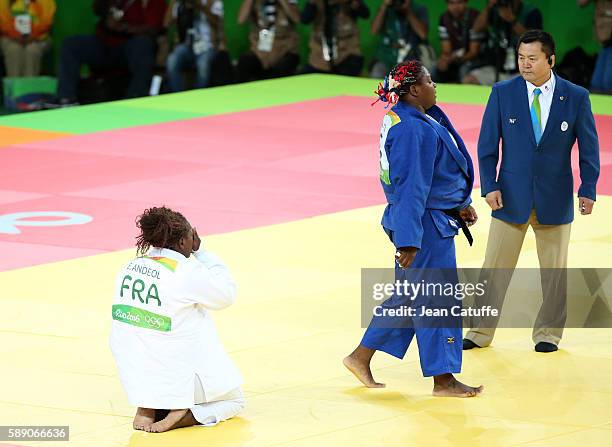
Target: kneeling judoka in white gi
{"points": [[163, 339]]}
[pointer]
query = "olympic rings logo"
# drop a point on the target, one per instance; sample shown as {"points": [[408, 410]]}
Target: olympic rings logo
{"points": [[154, 321]]}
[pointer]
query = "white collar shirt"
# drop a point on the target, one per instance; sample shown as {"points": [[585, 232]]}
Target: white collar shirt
{"points": [[546, 97]]}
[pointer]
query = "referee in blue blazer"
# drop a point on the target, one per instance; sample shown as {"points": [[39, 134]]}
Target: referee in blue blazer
{"points": [[538, 117]]}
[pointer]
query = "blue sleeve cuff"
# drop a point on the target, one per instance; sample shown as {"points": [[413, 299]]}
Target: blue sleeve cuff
{"points": [[465, 204], [401, 242], [490, 187], [587, 191]]}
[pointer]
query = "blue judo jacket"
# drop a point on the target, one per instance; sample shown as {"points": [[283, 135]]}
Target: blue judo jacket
{"points": [[422, 171]]}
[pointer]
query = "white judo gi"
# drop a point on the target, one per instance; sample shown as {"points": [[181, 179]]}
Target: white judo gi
{"points": [[164, 341]]}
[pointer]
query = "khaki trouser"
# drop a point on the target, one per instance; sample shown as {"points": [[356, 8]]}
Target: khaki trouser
{"points": [[503, 249], [23, 60]]}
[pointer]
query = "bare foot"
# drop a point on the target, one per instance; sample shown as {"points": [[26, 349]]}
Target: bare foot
{"points": [[445, 386], [362, 371], [187, 421], [168, 422], [144, 417]]}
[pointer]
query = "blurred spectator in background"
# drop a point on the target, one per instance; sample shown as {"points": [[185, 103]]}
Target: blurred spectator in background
{"points": [[460, 43], [125, 38], [403, 27], [504, 21], [334, 39], [198, 31], [274, 39], [25, 26], [601, 81]]}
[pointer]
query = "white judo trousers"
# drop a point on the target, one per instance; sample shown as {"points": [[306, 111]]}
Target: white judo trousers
{"points": [[163, 338], [211, 413]]}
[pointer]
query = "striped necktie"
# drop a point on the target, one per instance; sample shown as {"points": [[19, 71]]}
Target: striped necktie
{"points": [[536, 115]]}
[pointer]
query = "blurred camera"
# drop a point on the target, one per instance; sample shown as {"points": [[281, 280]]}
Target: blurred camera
{"points": [[187, 4], [504, 3], [185, 19], [397, 4]]}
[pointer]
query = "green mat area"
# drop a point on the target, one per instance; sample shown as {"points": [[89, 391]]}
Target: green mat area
{"points": [[267, 93], [92, 118], [229, 99], [253, 95]]}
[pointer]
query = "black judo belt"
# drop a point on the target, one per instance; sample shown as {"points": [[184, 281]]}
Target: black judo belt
{"points": [[454, 213]]}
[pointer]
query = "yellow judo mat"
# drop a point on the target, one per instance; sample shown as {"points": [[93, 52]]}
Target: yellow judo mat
{"points": [[297, 316]]}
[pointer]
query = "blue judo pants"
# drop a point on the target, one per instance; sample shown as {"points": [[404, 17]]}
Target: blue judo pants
{"points": [[440, 348]]}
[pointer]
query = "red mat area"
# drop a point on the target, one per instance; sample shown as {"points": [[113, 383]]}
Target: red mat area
{"points": [[57, 171], [225, 172]]}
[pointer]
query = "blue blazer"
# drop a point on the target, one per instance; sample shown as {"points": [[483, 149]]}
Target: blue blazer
{"points": [[422, 171], [537, 175]]}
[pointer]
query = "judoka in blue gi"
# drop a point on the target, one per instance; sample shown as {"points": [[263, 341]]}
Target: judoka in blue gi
{"points": [[427, 176]]}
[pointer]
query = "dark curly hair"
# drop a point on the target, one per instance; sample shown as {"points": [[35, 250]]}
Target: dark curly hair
{"points": [[399, 80], [160, 227]]}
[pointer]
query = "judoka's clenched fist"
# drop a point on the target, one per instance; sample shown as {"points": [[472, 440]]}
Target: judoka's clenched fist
{"points": [[469, 216], [405, 255]]}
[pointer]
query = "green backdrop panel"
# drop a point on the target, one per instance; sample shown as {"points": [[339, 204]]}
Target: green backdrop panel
{"points": [[570, 25]]}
